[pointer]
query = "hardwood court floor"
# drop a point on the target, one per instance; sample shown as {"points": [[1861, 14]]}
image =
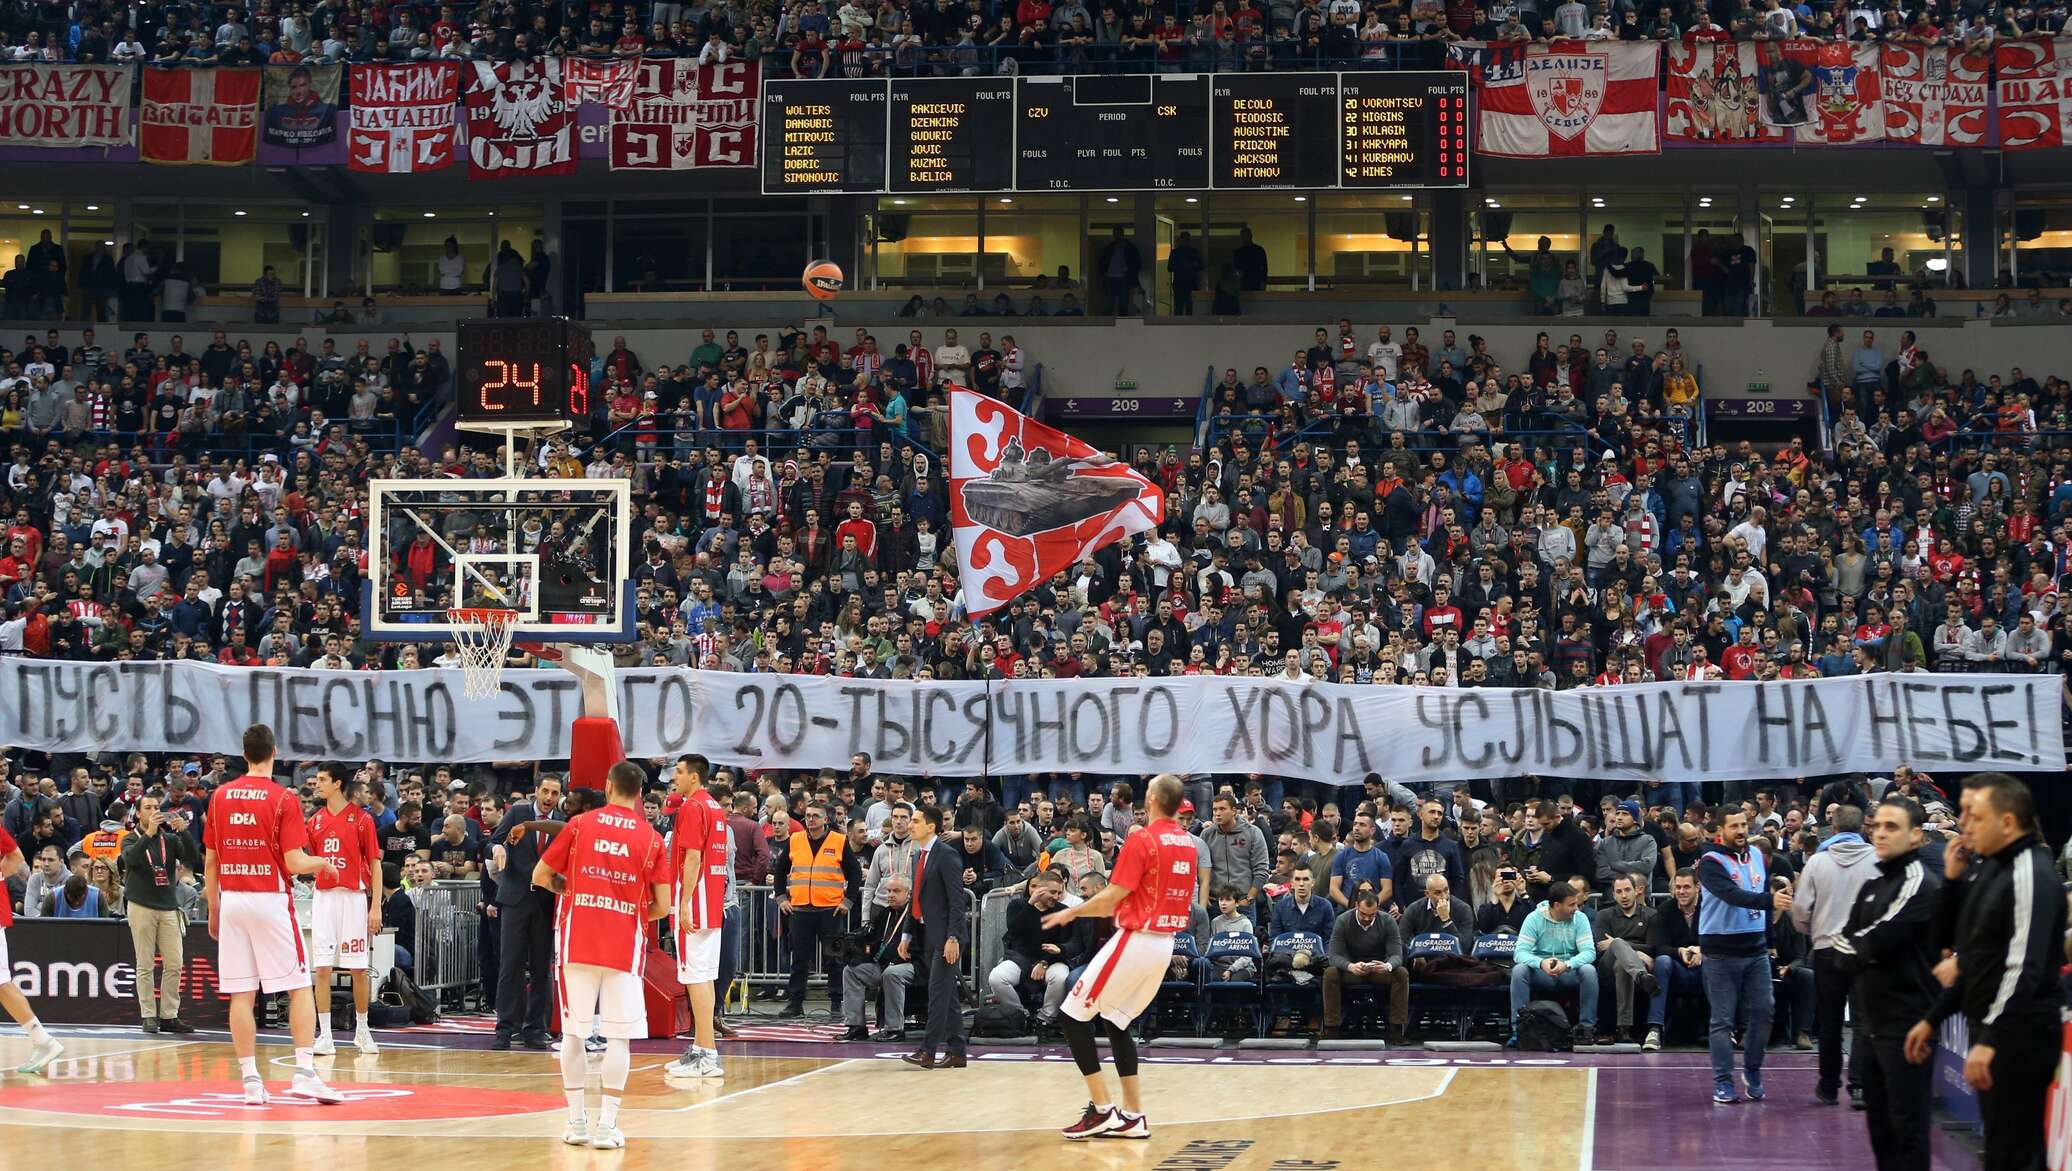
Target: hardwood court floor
{"points": [[135, 1100]]}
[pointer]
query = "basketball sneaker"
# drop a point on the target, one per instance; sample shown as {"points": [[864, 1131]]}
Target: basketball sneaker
{"points": [[606, 1138], [255, 1092], [683, 1065], [324, 1047], [1128, 1125], [363, 1040], [1097, 1120], [308, 1085], [578, 1132], [45, 1052], [707, 1066]]}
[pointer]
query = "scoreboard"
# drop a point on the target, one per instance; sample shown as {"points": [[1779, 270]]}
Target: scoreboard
{"points": [[1131, 132]]}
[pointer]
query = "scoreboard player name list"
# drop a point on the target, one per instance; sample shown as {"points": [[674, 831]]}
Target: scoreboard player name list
{"points": [[1259, 133], [932, 125], [1377, 135], [811, 155]]}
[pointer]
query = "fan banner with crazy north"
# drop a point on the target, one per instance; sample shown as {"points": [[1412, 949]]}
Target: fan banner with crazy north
{"points": [[1568, 98], [520, 121], [1028, 501]]}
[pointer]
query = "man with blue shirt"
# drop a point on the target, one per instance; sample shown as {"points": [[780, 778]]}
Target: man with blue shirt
{"points": [[1733, 932], [1555, 951], [1361, 862]]}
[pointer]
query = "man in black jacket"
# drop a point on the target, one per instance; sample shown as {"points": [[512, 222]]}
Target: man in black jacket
{"points": [[1035, 955], [1887, 947], [526, 950], [935, 937], [2009, 918], [1565, 851]]}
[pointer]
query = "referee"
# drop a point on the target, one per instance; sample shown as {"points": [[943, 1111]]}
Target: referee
{"points": [[1886, 946], [2009, 918]]}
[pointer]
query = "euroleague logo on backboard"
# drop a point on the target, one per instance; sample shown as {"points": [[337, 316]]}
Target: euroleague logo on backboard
{"points": [[224, 1101]]}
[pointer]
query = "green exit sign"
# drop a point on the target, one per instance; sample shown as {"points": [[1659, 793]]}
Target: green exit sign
{"points": [[1125, 384], [1758, 388]]}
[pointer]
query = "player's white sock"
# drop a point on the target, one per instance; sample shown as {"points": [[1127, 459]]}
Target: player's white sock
{"points": [[359, 1021], [618, 1065], [305, 1059], [37, 1034], [577, 1112], [247, 1067], [323, 1024]]}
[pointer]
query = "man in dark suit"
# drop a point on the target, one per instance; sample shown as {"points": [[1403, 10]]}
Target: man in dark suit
{"points": [[527, 915], [934, 937]]}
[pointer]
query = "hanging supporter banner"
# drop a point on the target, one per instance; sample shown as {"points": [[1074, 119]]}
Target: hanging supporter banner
{"points": [[1568, 99], [1712, 95], [301, 105], [402, 117], [608, 83], [2034, 79], [1028, 501], [1934, 95], [207, 117], [64, 105], [1826, 92], [685, 115], [1678, 731], [520, 121]]}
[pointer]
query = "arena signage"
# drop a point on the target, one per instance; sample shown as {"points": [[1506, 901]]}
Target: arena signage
{"points": [[1202, 724]]}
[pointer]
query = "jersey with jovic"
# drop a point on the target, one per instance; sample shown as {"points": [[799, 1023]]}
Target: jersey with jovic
{"points": [[252, 824], [700, 826], [611, 859], [1157, 865], [347, 838]]}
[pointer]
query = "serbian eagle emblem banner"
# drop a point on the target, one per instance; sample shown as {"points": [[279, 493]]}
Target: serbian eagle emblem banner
{"points": [[1029, 501]]}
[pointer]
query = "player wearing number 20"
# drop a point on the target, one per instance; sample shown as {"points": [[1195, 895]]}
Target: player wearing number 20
{"points": [[346, 910], [611, 870]]}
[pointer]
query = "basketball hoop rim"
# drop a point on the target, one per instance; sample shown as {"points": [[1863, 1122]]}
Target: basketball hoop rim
{"points": [[480, 615]]}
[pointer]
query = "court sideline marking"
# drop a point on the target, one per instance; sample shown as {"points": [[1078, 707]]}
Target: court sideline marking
{"points": [[714, 1101], [1586, 1159]]}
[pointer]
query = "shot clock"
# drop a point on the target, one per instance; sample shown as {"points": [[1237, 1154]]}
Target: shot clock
{"points": [[524, 373]]}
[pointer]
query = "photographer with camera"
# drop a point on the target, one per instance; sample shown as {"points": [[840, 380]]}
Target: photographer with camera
{"points": [[1506, 909], [151, 859], [872, 963]]}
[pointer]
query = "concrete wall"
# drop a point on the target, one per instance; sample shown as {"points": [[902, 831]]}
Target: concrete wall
{"points": [[1085, 358]]}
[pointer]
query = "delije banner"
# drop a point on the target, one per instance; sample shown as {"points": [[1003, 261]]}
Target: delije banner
{"points": [[1199, 724]]}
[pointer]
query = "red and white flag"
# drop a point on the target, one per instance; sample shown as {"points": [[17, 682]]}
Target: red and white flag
{"points": [[685, 115], [64, 105], [1569, 98], [1826, 92], [1712, 95], [2035, 92], [1935, 95], [608, 83], [1028, 501], [520, 121], [402, 120], [200, 116]]}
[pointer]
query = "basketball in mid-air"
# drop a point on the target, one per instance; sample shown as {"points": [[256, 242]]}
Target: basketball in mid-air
{"points": [[822, 280]]}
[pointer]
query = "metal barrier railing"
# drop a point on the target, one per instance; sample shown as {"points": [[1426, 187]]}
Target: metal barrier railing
{"points": [[448, 926], [765, 959]]}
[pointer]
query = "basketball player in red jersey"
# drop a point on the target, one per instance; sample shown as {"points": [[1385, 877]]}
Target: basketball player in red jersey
{"points": [[698, 864], [611, 870], [44, 1047], [347, 907], [1149, 894], [256, 839]]}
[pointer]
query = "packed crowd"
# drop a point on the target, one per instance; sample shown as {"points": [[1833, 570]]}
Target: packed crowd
{"points": [[859, 38]]}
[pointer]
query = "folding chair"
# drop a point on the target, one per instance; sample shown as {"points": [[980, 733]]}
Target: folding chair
{"points": [[1245, 994], [1300, 1001], [1437, 1002], [1180, 999]]}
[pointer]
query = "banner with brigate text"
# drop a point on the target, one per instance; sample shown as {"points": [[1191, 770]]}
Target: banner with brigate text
{"points": [[1677, 731]]}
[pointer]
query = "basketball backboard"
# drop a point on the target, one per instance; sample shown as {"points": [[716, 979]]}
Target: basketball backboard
{"points": [[556, 551]]}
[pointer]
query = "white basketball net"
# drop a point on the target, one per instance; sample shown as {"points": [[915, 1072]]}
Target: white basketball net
{"points": [[484, 638]]}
